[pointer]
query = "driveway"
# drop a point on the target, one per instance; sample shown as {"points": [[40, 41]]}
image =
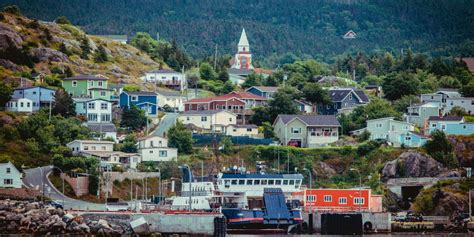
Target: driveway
{"points": [[37, 178], [165, 124]]}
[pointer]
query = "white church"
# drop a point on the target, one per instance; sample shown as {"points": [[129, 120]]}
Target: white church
{"points": [[243, 57]]}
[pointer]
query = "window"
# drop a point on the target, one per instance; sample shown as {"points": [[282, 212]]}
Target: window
{"points": [[102, 93], [378, 125], [227, 183], [249, 130], [187, 118], [8, 181], [93, 148], [163, 153], [86, 148], [443, 126], [242, 182], [134, 98], [292, 182], [335, 105], [311, 198], [328, 106], [264, 182], [407, 138], [285, 182], [91, 105], [433, 125], [203, 119], [151, 151], [151, 143], [230, 119], [350, 96], [21, 104], [104, 105], [103, 148], [234, 182], [100, 83], [296, 130], [249, 181], [92, 117], [105, 117], [28, 104], [278, 182], [74, 83], [359, 201], [34, 92], [327, 198], [271, 182], [342, 200], [8, 170]]}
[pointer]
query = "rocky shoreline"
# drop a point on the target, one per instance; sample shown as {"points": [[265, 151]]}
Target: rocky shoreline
{"points": [[22, 217]]}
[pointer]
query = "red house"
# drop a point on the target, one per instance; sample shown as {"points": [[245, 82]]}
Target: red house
{"points": [[341, 200]]}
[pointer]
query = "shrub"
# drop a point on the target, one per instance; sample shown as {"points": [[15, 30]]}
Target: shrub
{"points": [[62, 20], [12, 9], [366, 148]]}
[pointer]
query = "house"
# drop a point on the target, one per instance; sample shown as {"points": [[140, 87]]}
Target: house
{"points": [[467, 103], [155, 148], [94, 110], [92, 86], [263, 91], [214, 120], [419, 114], [440, 96], [172, 99], [24, 105], [344, 100], [146, 101], [250, 130], [79, 146], [306, 130], [450, 125], [304, 106], [116, 90], [341, 200], [239, 103], [103, 130], [109, 159], [166, 77], [10, 177], [41, 97], [397, 133]]}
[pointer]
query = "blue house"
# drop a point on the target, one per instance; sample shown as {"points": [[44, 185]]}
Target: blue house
{"points": [[450, 125], [40, 96], [412, 139], [146, 101], [344, 100], [263, 91]]}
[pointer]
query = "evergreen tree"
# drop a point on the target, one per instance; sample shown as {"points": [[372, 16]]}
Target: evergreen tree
{"points": [[133, 118], [207, 72], [313, 93], [5, 93], [468, 90], [223, 76], [12, 9], [228, 87], [85, 47], [63, 104], [101, 55], [62, 20], [181, 138]]}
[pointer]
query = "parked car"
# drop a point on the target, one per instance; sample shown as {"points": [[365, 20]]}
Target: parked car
{"points": [[55, 204]]}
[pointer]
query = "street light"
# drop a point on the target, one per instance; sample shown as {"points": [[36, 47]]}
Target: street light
{"points": [[360, 186], [190, 183], [310, 181]]}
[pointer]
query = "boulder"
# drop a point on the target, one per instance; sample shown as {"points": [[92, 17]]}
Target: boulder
{"points": [[323, 170], [9, 65], [412, 164], [48, 54], [9, 38]]}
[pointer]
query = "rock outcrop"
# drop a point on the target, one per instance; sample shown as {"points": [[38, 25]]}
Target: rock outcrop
{"points": [[412, 164], [463, 149]]}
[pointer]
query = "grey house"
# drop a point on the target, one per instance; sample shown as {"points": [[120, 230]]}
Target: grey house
{"points": [[344, 100], [306, 130]]}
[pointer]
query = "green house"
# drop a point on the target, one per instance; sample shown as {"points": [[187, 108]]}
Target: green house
{"points": [[91, 86]]}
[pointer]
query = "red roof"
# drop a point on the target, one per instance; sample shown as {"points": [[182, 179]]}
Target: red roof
{"points": [[234, 94], [263, 71]]}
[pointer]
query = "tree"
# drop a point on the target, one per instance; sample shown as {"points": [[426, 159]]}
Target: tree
{"points": [[85, 47], [5, 93], [226, 145], [63, 104], [396, 85], [101, 55], [313, 93], [144, 42], [268, 130], [402, 104], [206, 72], [260, 115], [441, 149], [129, 143], [223, 76], [228, 87], [133, 118], [12, 9], [62, 20], [252, 80], [281, 103], [181, 138], [458, 111], [468, 89], [131, 88], [449, 82]]}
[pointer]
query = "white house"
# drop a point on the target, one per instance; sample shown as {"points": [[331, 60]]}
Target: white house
{"points": [[216, 120], [173, 99], [95, 110], [250, 130], [79, 146], [20, 105], [10, 177], [104, 130], [467, 103], [110, 158], [155, 148], [165, 77]]}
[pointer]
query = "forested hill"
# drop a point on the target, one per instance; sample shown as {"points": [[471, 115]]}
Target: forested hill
{"points": [[313, 27]]}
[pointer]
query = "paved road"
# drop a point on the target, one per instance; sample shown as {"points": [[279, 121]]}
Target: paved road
{"points": [[165, 124], [36, 178]]}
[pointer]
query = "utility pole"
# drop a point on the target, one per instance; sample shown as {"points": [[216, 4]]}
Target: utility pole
{"points": [[215, 58]]}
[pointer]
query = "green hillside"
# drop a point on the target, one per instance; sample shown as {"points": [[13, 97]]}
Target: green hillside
{"points": [[306, 27]]}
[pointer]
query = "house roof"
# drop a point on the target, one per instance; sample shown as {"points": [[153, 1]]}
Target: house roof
{"points": [[243, 125], [87, 99], [140, 93], [109, 153], [338, 95], [104, 127], [87, 77], [469, 63], [245, 95], [445, 118], [238, 71], [263, 71], [31, 87], [234, 94], [148, 137], [92, 141], [310, 120], [164, 71], [204, 112], [265, 88], [100, 89], [169, 93]]}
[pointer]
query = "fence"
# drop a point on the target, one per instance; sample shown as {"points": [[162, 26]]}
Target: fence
{"points": [[205, 139]]}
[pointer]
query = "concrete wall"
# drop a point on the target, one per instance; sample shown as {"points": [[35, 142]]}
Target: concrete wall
{"points": [[80, 185]]}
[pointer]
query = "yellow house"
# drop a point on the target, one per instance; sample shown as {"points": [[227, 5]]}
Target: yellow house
{"points": [[214, 120], [250, 130]]}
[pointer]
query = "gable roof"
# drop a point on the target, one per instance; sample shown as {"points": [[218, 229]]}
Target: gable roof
{"points": [[86, 77], [32, 87], [237, 71], [168, 93], [245, 95], [337, 95], [140, 93], [445, 118], [205, 112], [91, 141], [264, 88], [150, 136], [310, 120], [10, 164], [225, 97], [164, 71]]}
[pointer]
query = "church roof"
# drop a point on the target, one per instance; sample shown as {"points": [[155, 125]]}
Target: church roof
{"points": [[243, 38]]}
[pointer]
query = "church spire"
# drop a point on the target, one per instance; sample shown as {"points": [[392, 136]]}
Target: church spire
{"points": [[243, 39]]}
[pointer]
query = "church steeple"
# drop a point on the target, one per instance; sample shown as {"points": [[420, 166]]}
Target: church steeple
{"points": [[243, 58], [243, 45]]}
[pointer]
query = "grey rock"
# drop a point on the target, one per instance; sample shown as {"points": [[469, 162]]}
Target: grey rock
{"points": [[48, 54], [412, 164], [9, 65], [9, 38]]}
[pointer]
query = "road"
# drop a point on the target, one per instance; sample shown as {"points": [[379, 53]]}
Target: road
{"points": [[165, 124], [37, 178]]}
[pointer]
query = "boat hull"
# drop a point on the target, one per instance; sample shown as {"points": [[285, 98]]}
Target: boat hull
{"points": [[256, 219]]}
